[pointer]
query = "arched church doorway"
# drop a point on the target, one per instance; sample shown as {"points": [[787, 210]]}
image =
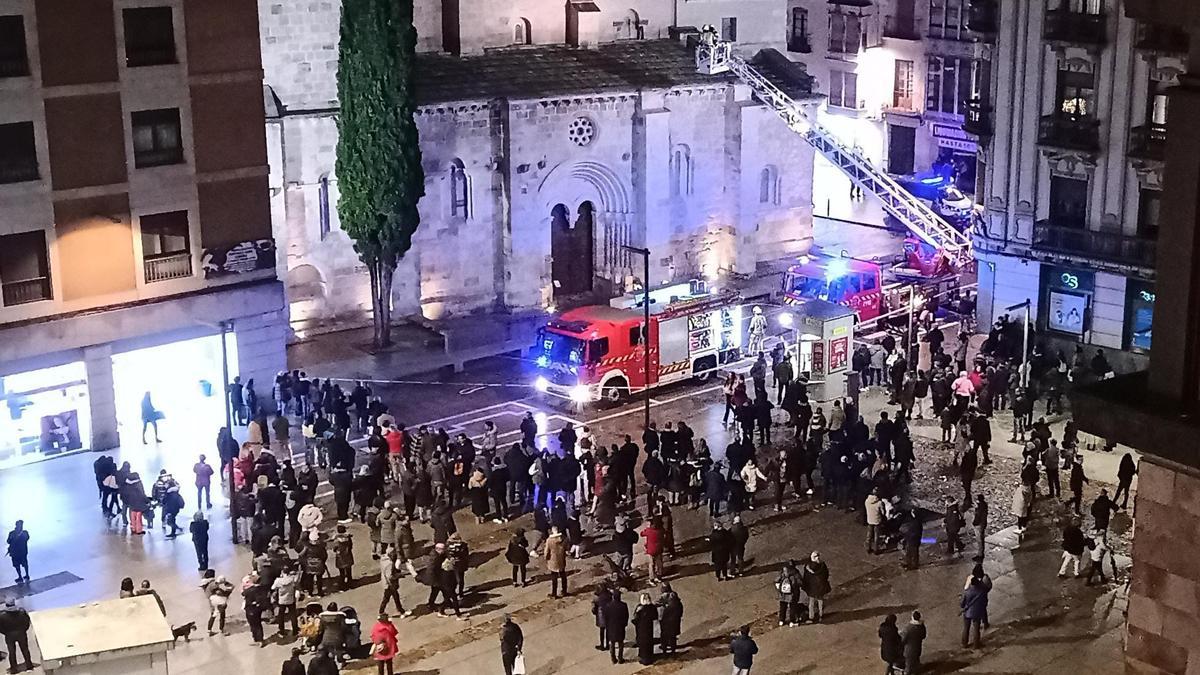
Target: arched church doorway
{"points": [[572, 249]]}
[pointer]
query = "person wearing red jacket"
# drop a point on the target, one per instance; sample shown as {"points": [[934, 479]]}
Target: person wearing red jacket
{"points": [[383, 644], [653, 536]]}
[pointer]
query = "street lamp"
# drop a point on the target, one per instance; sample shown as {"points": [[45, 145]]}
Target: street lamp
{"points": [[645, 253]]}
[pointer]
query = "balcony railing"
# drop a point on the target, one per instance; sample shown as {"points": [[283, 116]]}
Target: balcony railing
{"points": [[1106, 246], [1152, 37], [978, 118], [900, 29], [799, 44], [170, 266], [1148, 142], [1076, 27], [983, 17], [25, 291], [1070, 132]]}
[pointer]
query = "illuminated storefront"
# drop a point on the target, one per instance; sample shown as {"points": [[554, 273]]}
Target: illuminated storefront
{"points": [[45, 412]]}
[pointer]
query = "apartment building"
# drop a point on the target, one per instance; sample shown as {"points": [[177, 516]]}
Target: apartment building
{"points": [[1077, 107], [135, 229]]}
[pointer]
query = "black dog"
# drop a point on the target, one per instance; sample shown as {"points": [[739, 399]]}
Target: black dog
{"points": [[184, 631]]}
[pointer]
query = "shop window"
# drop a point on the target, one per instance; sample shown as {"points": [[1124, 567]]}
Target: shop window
{"points": [[24, 268], [460, 190], [14, 57], [843, 89], [1068, 202], [729, 28], [681, 171], [18, 153], [156, 138], [1149, 203], [1066, 302], [165, 250], [149, 36], [768, 186], [1139, 315], [43, 412]]}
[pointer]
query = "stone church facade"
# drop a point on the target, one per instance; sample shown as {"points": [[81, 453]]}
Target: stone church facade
{"points": [[542, 160]]}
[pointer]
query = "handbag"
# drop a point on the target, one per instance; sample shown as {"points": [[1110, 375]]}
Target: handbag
{"points": [[519, 664]]}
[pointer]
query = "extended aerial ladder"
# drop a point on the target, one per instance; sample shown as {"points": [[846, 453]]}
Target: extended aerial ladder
{"points": [[716, 56]]}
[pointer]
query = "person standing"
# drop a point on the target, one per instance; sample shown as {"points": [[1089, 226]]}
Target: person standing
{"points": [[740, 535], [743, 648], [14, 625], [787, 585], [966, 471], [1073, 546], [391, 568], [912, 530], [670, 619], [891, 649], [512, 643], [913, 640], [1102, 510], [284, 590], [1078, 478], [1125, 473], [722, 545], [218, 590], [133, 495], [555, 552], [383, 644], [652, 534], [18, 551], [815, 581], [952, 522], [256, 601], [199, 530], [1050, 464], [616, 618], [237, 404], [204, 474], [293, 666], [644, 618], [980, 521], [974, 604], [874, 511]]}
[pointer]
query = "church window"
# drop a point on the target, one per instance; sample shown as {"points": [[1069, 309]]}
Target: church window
{"points": [[323, 205], [581, 131], [681, 170], [768, 186], [460, 190], [521, 32]]}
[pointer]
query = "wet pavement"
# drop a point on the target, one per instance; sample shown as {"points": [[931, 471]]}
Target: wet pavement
{"points": [[1040, 624]]}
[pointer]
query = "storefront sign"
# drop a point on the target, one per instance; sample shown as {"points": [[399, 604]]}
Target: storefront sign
{"points": [[818, 358], [838, 354], [954, 138], [248, 256]]}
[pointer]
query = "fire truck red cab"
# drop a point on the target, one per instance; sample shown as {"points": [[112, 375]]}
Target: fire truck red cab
{"points": [[846, 281], [598, 352]]}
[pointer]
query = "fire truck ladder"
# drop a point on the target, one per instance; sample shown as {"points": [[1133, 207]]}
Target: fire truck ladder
{"points": [[714, 57]]}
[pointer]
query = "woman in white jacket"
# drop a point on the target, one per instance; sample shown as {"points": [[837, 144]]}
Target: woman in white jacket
{"points": [[750, 477]]}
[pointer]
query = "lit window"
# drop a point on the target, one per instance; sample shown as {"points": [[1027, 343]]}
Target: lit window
{"points": [[843, 89], [156, 138]]}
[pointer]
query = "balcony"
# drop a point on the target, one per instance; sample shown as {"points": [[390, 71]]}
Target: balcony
{"points": [[799, 44], [1148, 142], [25, 291], [1070, 132], [900, 29], [978, 118], [1107, 246], [167, 266], [1077, 28], [1155, 39], [983, 17]]}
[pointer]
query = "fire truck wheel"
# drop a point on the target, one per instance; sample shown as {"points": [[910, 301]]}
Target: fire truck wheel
{"points": [[615, 390]]}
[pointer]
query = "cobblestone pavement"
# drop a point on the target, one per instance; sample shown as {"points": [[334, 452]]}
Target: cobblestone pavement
{"points": [[1040, 624]]}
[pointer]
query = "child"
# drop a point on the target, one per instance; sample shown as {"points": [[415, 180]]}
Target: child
{"points": [[343, 555]]}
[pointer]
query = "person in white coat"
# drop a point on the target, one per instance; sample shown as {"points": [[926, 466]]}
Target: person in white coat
{"points": [[875, 511], [751, 474], [758, 332]]}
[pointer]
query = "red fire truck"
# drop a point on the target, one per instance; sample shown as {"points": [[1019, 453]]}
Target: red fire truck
{"points": [[845, 281], [598, 352]]}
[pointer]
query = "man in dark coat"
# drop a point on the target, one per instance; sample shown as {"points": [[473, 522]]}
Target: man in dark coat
{"points": [[722, 546], [512, 641], [743, 649], [740, 535], [913, 639], [293, 666], [670, 619], [616, 618], [911, 530], [14, 626], [1125, 473], [1102, 510], [1076, 484]]}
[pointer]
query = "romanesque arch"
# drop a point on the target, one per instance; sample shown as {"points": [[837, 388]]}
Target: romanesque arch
{"points": [[607, 197]]}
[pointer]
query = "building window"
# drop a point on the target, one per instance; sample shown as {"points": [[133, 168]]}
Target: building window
{"points": [[522, 35], [902, 96], [156, 138], [323, 206], [798, 37], [24, 268], [730, 29], [1139, 314], [581, 131], [843, 89], [845, 33], [681, 171], [1068, 202], [1156, 103], [1093, 7], [947, 19], [768, 186], [18, 153], [166, 253], [149, 36], [460, 190], [14, 59], [1076, 93], [948, 84], [1149, 203]]}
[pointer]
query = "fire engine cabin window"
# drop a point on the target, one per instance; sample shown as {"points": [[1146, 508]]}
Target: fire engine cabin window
{"points": [[597, 350], [635, 335], [562, 348], [868, 282]]}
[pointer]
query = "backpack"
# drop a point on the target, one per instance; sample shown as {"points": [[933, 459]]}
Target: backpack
{"points": [[784, 585]]}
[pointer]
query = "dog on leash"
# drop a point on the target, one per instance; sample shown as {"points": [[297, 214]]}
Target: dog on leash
{"points": [[184, 631]]}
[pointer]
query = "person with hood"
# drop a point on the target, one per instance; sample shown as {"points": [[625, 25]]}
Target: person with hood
{"points": [[478, 492], [14, 626], [913, 640], [343, 556], [644, 618], [670, 620], [284, 591], [874, 509], [616, 618], [1125, 473], [383, 644], [172, 504], [814, 578], [133, 495], [512, 643], [722, 546], [891, 650], [974, 605], [517, 555], [333, 631], [600, 600], [743, 648], [293, 666], [555, 553], [313, 557], [787, 586], [750, 475], [740, 534]]}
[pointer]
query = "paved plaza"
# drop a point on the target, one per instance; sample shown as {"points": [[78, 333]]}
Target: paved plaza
{"points": [[1039, 623]]}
